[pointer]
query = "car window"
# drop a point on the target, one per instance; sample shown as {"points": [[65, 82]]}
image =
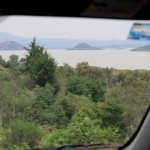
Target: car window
{"points": [[72, 80]]}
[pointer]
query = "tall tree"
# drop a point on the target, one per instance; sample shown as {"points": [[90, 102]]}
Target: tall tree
{"points": [[39, 65]]}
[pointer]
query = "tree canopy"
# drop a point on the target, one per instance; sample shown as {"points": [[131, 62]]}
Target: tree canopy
{"points": [[42, 104], [39, 64]]}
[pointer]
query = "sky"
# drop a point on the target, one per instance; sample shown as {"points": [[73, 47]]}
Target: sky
{"points": [[66, 28]]}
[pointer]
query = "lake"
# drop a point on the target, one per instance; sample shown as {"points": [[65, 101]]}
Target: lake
{"points": [[119, 59]]}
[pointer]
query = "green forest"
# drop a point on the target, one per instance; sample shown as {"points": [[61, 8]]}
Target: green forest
{"points": [[43, 104]]}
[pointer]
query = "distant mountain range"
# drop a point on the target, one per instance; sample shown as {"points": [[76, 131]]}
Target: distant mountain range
{"points": [[84, 46], [145, 48], [49, 43]]}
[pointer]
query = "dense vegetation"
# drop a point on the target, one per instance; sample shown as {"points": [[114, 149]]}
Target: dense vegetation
{"points": [[42, 104]]}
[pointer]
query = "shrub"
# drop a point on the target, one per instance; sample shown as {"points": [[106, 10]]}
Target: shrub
{"points": [[23, 132], [83, 130]]}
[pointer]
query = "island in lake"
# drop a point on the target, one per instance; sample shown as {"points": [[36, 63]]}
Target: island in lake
{"points": [[145, 48], [11, 45], [84, 46]]}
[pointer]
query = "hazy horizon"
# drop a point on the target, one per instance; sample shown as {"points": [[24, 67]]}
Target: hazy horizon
{"points": [[69, 43]]}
